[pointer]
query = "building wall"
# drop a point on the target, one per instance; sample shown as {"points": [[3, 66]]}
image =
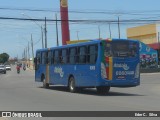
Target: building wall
{"points": [[147, 39], [145, 33]]}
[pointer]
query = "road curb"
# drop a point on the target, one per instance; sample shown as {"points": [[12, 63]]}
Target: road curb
{"points": [[151, 70]]}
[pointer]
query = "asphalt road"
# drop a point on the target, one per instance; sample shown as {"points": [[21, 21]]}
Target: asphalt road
{"points": [[19, 92]]}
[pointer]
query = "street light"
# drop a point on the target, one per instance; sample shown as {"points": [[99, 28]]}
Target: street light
{"points": [[38, 26], [110, 34], [119, 28], [77, 35]]}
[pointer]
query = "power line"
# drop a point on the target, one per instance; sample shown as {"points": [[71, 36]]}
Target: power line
{"points": [[87, 11], [93, 21], [26, 9]]}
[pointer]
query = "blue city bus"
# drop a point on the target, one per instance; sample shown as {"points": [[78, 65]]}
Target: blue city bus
{"points": [[99, 64]]}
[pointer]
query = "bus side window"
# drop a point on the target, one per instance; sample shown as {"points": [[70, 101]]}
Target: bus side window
{"points": [[64, 56], [133, 49], [43, 57], [38, 58], [56, 57], [60, 56], [82, 54], [72, 55], [93, 53]]}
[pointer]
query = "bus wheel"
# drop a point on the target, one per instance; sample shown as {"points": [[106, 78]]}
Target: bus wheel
{"points": [[45, 85], [71, 85], [103, 90]]}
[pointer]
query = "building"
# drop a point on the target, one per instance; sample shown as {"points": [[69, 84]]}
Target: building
{"points": [[76, 41], [148, 57], [148, 34]]}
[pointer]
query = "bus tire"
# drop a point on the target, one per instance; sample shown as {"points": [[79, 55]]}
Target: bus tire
{"points": [[45, 85], [71, 85], [103, 90]]}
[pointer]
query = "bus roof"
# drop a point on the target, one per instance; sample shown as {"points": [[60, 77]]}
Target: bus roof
{"points": [[84, 43], [72, 45]]}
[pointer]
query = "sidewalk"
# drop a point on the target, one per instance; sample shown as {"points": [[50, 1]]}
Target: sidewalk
{"points": [[150, 70], [2, 118]]}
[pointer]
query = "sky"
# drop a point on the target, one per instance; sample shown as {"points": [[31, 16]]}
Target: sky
{"points": [[15, 35]]}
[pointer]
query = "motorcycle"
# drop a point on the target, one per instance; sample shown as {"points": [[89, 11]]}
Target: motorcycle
{"points": [[24, 68], [18, 71]]}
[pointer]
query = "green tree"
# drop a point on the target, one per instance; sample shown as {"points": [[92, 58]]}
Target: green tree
{"points": [[4, 57]]}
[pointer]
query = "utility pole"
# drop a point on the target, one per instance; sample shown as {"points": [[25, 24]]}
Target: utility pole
{"points": [[45, 34], [17, 57], [99, 32], [22, 57], [119, 28], [37, 25], [42, 37], [28, 55], [110, 34], [32, 50], [24, 54], [32, 46], [77, 35], [57, 30]]}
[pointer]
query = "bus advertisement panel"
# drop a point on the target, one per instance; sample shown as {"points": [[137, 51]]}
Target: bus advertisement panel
{"points": [[99, 63]]}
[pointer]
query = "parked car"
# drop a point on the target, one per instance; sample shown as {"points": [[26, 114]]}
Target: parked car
{"points": [[2, 69], [8, 67]]}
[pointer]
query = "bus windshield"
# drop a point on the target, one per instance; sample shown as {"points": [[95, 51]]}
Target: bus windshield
{"points": [[121, 49]]}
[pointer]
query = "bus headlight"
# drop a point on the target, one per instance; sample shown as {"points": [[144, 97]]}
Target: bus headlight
{"points": [[103, 71], [137, 72]]}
